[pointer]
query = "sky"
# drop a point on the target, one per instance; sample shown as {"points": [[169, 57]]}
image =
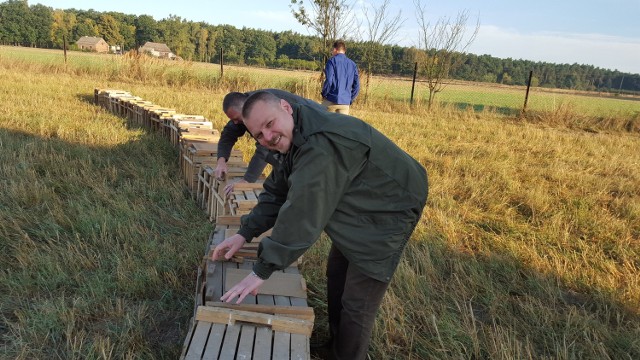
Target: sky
{"points": [[602, 33]]}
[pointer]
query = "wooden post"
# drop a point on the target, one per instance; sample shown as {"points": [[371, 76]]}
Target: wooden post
{"points": [[413, 83], [526, 97], [64, 47], [221, 62]]}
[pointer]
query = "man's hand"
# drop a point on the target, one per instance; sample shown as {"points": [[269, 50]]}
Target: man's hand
{"points": [[221, 169], [248, 285], [229, 188], [231, 245]]}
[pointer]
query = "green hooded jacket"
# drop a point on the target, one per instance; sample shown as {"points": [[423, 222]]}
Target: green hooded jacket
{"points": [[344, 177]]}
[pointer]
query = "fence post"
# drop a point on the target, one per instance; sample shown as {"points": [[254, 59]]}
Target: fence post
{"points": [[526, 96], [221, 62], [413, 83], [64, 47]]}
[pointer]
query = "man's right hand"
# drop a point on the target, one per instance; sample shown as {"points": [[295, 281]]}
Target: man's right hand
{"points": [[221, 169]]}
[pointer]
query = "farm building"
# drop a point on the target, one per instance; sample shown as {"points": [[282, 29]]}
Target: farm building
{"points": [[157, 50], [92, 43]]}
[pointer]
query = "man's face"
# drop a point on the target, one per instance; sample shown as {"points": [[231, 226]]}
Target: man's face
{"points": [[234, 115], [271, 125]]}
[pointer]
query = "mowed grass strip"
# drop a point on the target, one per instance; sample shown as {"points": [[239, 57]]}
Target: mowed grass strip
{"points": [[528, 247]]}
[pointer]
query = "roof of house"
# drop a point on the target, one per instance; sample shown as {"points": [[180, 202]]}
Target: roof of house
{"points": [[88, 40], [155, 46]]}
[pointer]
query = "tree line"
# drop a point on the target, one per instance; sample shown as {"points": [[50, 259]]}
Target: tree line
{"points": [[44, 27]]}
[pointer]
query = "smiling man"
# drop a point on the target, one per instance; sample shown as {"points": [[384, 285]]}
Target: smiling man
{"points": [[338, 175]]}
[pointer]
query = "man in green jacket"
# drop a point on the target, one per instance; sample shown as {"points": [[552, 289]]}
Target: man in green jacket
{"points": [[340, 175]]}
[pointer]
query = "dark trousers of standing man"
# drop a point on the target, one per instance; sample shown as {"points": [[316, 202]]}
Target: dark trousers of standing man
{"points": [[352, 314]]}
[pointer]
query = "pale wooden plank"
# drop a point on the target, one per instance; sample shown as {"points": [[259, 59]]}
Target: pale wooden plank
{"points": [[245, 347], [247, 335], [278, 284], [199, 340], [300, 346], [264, 335], [219, 315], [281, 340], [187, 339], [230, 342], [214, 343], [298, 312]]}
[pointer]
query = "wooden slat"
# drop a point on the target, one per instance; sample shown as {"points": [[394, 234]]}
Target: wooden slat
{"points": [[281, 340], [298, 312], [198, 341], [214, 344], [228, 220], [230, 342], [245, 345], [264, 335], [278, 284], [220, 315], [300, 348]]}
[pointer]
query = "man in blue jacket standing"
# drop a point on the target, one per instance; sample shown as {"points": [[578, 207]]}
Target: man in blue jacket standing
{"points": [[341, 84]]}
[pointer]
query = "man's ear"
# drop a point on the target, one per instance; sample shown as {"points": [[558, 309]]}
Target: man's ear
{"points": [[285, 105]]}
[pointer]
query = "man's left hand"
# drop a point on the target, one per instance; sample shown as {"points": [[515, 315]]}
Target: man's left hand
{"points": [[248, 285], [229, 188]]}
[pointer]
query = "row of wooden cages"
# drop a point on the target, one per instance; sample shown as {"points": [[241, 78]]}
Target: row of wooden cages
{"points": [[196, 140]]}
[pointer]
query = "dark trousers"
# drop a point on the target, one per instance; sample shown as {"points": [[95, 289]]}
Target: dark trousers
{"points": [[352, 313]]}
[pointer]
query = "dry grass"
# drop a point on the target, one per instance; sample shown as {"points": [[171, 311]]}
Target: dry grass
{"points": [[528, 248]]}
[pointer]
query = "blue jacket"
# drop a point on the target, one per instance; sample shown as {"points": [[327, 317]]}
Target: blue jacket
{"points": [[342, 84]]}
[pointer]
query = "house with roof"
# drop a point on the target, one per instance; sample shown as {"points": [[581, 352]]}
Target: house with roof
{"points": [[92, 43], [157, 49]]}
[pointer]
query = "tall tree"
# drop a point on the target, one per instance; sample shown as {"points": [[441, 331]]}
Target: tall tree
{"points": [[444, 44], [176, 34], [15, 24], [86, 27], [202, 43], [63, 24], [41, 20], [261, 46], [146, 29], [110, 30], [381, 29], [330, 20]]}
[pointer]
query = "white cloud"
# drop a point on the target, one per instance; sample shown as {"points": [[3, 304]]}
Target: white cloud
{"points": [[604, 51]]}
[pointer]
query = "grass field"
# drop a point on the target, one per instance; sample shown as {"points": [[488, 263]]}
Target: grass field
{"points": [[529, 246]]}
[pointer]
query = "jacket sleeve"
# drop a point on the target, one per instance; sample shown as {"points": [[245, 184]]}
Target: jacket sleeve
{"points": [[230, 135], [256, 164], [264, 214], [328, 78], [355, 89], [322, 171]]}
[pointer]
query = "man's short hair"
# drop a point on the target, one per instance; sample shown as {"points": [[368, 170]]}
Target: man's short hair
{"points": [[339, 45], [233, 99], [256, 97]]}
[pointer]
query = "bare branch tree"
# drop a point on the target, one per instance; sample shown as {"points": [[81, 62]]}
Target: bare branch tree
{"points": [[381, 29], [329, 19], [444, 45]]}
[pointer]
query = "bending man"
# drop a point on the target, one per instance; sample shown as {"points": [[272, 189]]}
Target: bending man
{"points": [[340, 175]]}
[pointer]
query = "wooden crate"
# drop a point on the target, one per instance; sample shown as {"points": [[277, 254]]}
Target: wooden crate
{"points": [[198, 154], [156, 118], [133, 109], [243, 198], [234, 175], [266, 326]]}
